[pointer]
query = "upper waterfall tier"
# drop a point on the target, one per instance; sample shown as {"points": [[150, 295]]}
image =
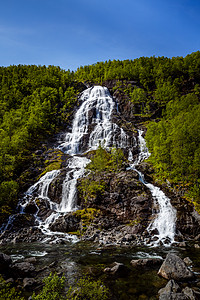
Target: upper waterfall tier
{"points": [[92, 124]]}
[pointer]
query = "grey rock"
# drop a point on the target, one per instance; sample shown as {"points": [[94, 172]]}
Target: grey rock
{"points": [[172, 291], [187, 261], [147, 262], [29, 283], [173, 296], [191, 294], [68, 223], [174, 267], [23, 269], [171, 287]]}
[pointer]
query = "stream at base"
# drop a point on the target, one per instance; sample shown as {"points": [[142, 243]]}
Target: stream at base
{"points": [[74, 260]]}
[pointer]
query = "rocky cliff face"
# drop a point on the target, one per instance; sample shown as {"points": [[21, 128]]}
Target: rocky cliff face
{"points": [[120, 213]]}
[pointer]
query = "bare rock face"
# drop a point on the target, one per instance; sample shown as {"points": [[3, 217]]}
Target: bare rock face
{"points": [[174, 267], [125, 201], [68, 223], [55, 188]]}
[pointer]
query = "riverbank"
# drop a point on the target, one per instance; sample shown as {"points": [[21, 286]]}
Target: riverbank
{"points": [[75, 260]]}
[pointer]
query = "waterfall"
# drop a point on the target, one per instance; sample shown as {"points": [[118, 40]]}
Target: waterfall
{"points": [[162, 228], [93, 124], [77, 165]]}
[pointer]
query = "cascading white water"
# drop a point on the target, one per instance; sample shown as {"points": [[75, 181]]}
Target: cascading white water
{"points": [[164, 223], [92, 125], [93, 118], [77, 166]]}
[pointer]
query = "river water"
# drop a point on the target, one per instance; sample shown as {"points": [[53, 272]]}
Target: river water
{"points": [[76, 259]]}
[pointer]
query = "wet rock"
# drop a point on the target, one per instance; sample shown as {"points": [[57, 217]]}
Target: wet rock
{"points": [[187, 261], [174, 267], [188, 220], [22, 220], [29, 234], [44, 208], [31, 260], [147, 262], [31, 208], [68, 223], [55, 188], [22, 270], [29, 284], [10, 281], [5, 261], [125, 201], [169, 290], [118, 269], [190, 293]]}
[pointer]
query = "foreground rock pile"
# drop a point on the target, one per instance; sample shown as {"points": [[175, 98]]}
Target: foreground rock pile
{"points": [[177, 272]]}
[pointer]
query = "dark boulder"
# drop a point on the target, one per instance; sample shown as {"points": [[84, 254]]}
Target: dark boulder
{"points": [[172, 291], [125, 201], [117, 269], [55, 188], [68, 223], [22, 270], [5, 262], [31, 208], [29, 284], [174, 267], [22, 220]]}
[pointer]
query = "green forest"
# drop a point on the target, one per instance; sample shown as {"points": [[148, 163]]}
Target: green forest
{"points": [[37, 101]]}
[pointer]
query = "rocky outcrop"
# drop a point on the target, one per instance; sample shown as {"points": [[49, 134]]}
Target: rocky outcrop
{"points": [[55, 188], [125, 206], [174, 291], [171, 291], [175, 268], [125, 197], [67, 223]]}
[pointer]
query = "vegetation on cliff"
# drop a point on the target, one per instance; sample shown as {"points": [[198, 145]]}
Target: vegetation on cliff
{"points": [[175, 145], [167, 91], [37, 101], [102, 161]]}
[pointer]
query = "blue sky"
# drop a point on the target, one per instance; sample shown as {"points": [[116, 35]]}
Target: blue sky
{"points": [[70, 33]]}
